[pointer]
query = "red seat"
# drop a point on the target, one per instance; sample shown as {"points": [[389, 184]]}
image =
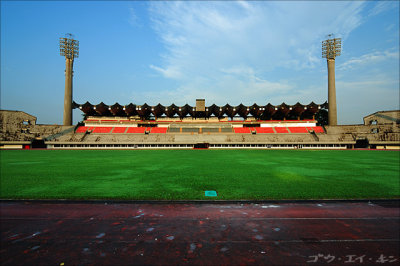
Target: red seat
{"points": [[119, 130], [264, 130], [102, 129], [318, 129], [136, 130], [281, 130], [298, 129], [241, 130], [159, 130], [81, 129]]}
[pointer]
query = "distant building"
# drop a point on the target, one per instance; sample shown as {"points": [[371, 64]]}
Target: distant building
{"points": [[16, 118], [18, 130], [383, 118]]}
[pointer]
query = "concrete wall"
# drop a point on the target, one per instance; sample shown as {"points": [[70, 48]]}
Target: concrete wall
{"points": [[382, 118], [189, 138], [382, 136], [20, 126], [15, 119]]}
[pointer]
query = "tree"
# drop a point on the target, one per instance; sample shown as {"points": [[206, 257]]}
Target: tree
{"points": [[322, 117]]}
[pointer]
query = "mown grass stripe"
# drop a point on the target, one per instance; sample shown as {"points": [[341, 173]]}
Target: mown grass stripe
{"points": [[186, 174]]}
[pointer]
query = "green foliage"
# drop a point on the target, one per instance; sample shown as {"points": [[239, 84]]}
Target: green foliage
{"points": [[322, 117], [187, 174]]}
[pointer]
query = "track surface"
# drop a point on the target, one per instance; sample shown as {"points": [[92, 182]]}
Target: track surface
{"points": [[317, 233]]}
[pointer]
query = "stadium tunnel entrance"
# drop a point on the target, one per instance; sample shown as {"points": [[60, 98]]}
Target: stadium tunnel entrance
{"points": [[201, 146], [362, 144], [38, 144]]}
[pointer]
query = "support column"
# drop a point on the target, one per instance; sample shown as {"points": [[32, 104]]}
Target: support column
{"points": [[67, 119], [332, 110]]}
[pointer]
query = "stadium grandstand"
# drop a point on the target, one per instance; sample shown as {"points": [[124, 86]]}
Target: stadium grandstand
{"points": [[215, 127]]}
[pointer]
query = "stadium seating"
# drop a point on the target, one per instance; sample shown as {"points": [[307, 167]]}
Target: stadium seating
{"points": [[317, 129], [241, 130], [159, 130], [81, 129], [264, 130], [164, 130], [270, 130], [119, 130], [298, 129], [281, 130], [136, 130], [102, 130]]}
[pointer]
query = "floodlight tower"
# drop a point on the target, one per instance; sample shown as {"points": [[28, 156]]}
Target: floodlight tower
{"points": [[70, 49], [330, 49]]}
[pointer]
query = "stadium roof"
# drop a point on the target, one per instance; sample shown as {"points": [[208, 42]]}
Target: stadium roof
{"points": [[269, 111]]}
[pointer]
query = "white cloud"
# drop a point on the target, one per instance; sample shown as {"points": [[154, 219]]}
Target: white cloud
{"points": [[204, 37], [133, 18], [382, 6], [169, 72], [369, 59], [390, 27], [246, 52]]}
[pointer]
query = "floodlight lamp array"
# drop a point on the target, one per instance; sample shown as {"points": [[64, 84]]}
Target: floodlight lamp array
{"points": [[331, 48], [69, 48]]}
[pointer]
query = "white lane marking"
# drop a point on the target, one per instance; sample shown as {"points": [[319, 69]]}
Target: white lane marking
{"points": [[270, 206], [317, 218], [316, 241], [28, 237]]}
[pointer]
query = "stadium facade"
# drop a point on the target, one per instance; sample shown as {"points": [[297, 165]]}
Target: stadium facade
{"points": [[112, 127]]}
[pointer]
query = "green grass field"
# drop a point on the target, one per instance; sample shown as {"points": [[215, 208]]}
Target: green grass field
{"points": [[186, 174]]}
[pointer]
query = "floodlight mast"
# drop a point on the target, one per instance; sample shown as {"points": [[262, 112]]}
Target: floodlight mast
{"points": [[69, 48], [330, 49]]}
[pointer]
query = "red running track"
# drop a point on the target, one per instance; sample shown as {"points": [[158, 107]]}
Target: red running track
{"points": [[317, 233]]}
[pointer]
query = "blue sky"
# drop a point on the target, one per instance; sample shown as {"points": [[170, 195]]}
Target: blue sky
{"points": [[174, 52]]}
